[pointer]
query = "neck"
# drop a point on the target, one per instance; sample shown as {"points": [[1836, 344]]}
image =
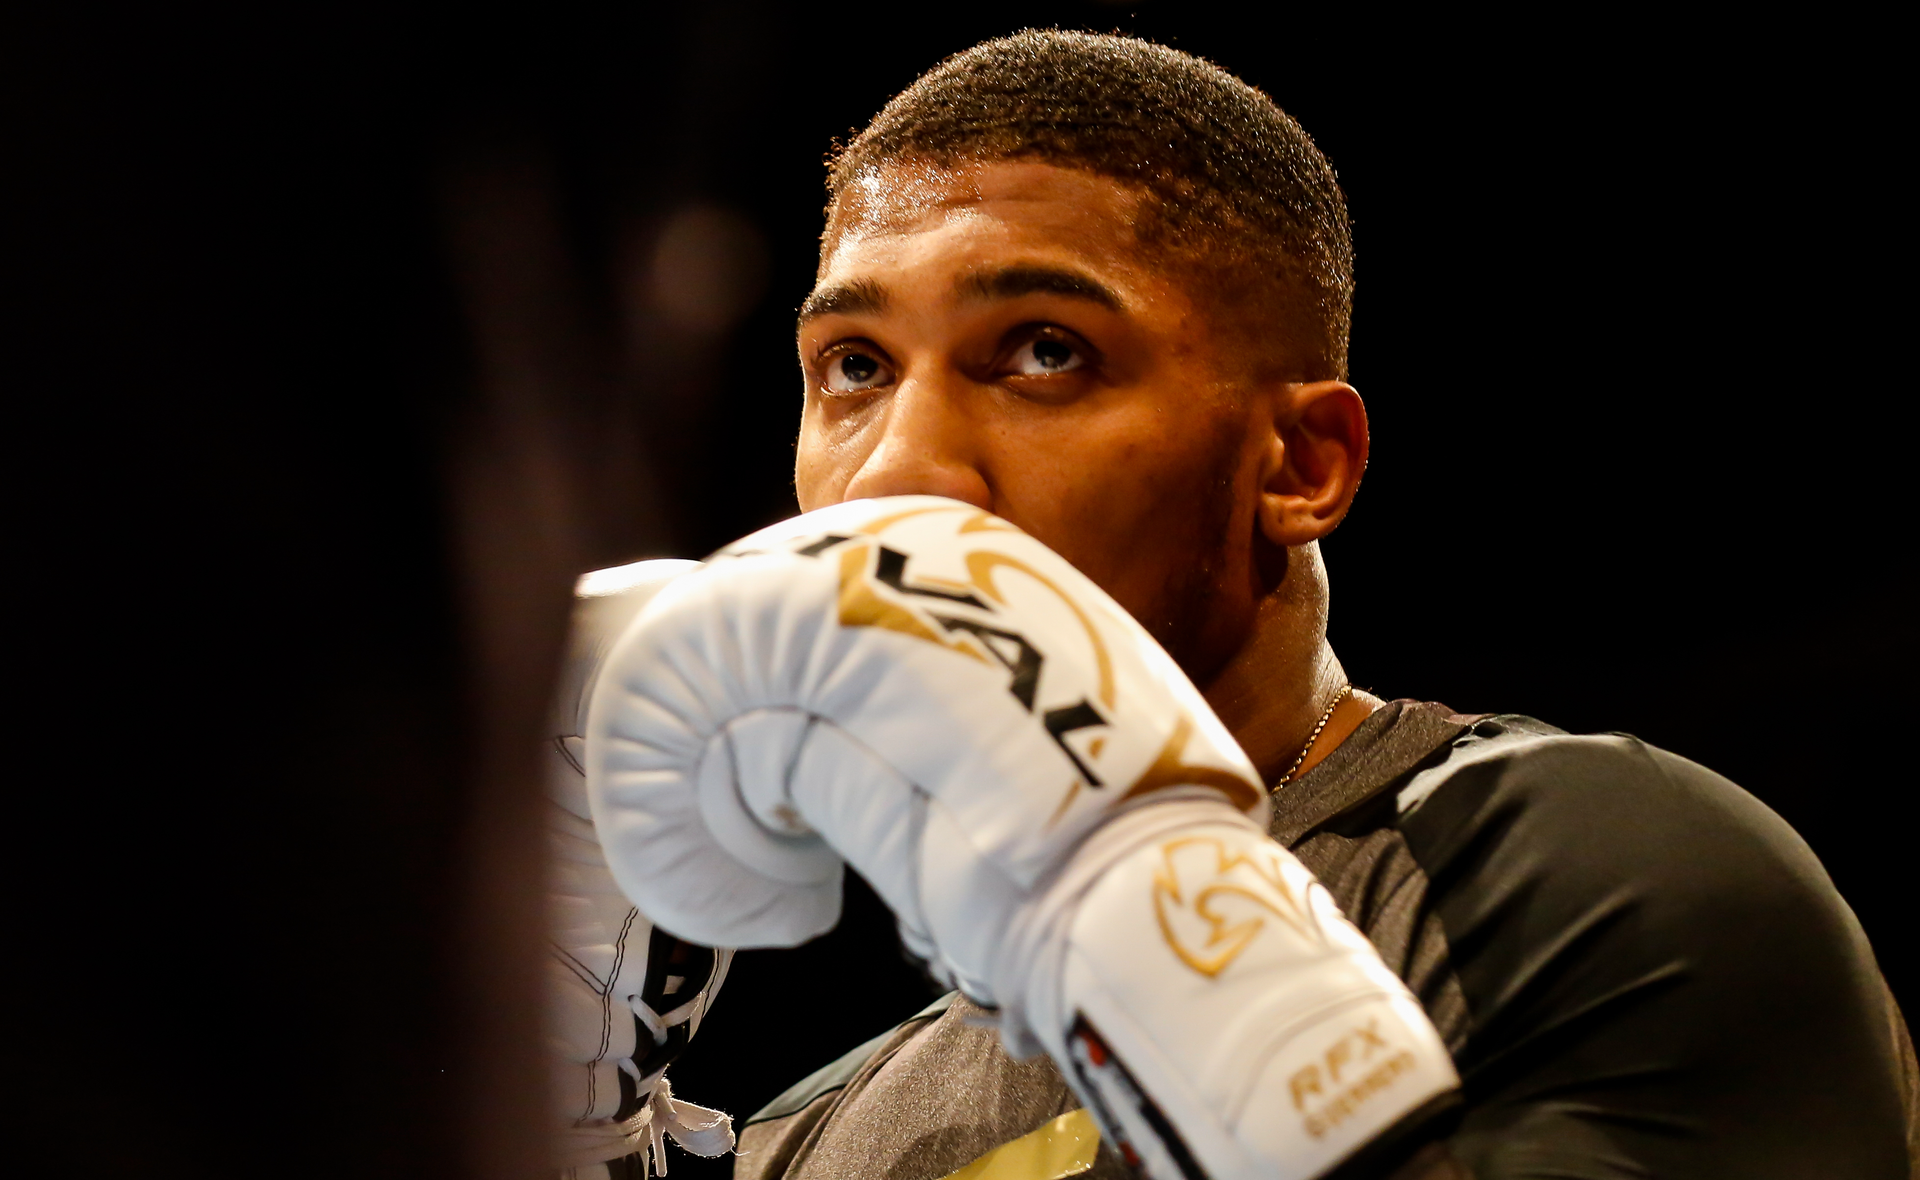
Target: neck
{"points": [[1277, 686]]}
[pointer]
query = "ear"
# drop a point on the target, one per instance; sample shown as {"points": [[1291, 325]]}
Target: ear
{"points": [[1313, 461]]}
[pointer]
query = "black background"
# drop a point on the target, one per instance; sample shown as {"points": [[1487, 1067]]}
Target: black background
{"points": [[1630, 326]]}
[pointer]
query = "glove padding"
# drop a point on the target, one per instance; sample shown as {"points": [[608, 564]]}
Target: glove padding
{"points": [[1027, 780]]}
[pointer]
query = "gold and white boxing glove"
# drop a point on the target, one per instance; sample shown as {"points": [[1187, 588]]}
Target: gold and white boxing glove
{"points": [[1060, 823]]}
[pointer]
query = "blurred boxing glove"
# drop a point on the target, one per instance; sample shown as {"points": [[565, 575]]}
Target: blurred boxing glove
{"points": [[623, 996], [1058, 820]]}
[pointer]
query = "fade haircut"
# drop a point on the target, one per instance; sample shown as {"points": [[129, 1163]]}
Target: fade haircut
{"points": [[1237, 195]]}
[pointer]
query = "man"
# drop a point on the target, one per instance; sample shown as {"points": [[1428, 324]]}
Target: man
{"points": [[1101, 290]]}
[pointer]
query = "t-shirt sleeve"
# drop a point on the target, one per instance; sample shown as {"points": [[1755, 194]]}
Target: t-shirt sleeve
{"points": [[1660, 977]]}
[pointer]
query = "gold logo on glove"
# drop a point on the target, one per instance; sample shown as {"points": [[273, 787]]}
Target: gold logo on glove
{"points": [[1213, 901], [1355, 1067], [861, 607], [876, 590], [1169, 770], [867, 565]]}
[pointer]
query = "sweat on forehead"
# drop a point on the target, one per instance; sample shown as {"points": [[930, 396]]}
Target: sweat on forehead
{"points": [[902, 196]]}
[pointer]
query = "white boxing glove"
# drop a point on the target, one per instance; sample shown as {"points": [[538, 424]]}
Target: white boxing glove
{"points": [[1059, 821], [622, 997]]}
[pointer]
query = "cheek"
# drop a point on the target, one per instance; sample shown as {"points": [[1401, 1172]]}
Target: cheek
{"points": [[826, 456], [1137, 503], [1162, 460], [812, 473], [1166, 524]]}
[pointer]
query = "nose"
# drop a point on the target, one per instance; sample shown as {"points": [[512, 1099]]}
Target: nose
{"points": [[929, 446]]}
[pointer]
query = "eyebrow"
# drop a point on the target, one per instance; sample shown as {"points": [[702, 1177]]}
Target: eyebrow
{"points": [[866, 297], [860, 297], [1014, 281]]}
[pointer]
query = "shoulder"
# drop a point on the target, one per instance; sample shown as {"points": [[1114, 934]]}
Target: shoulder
{"points": [[1635, 933], [1606, 833], [1606, 807]]}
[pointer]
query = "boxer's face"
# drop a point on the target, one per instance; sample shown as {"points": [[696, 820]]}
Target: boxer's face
{"points": [[997, 335]]}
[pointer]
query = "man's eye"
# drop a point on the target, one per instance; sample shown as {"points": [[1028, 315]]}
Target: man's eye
{"points": [[1038, 358], [853, 372]]}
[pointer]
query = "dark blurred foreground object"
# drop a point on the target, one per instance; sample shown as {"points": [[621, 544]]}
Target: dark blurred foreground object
{"points": [[323, 449]]}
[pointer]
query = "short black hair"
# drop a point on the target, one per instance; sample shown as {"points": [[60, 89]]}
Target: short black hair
{"points": [[1233, 181]]}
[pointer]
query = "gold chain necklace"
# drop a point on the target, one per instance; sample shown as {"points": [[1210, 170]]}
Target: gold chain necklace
{"points": [[1346, 690]]}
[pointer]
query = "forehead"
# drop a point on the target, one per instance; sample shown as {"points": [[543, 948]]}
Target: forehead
{"points": [[912, 215]]}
